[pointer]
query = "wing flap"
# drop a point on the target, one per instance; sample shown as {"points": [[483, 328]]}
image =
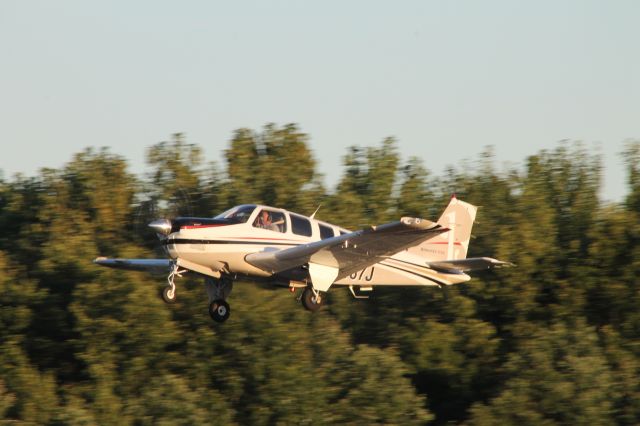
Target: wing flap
{"points": [[322, 276]]}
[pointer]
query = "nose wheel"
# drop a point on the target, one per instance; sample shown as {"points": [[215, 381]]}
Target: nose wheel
{"points": [[169, 294], [219, 310]]}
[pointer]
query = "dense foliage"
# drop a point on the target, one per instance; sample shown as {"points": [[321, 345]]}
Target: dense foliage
{"points": [[555, 340]]}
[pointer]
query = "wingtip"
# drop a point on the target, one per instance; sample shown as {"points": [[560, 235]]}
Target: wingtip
{"points": [[503, 263]]}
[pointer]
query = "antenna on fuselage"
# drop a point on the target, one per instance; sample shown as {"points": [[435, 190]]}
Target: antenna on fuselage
{"points": [[314, 213]]}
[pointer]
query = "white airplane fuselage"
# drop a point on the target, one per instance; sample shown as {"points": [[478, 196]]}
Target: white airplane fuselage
{"points": [[286, 249], [217, 248]]}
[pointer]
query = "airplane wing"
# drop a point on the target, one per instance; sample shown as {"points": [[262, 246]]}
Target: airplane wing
{"points": [[470, 264], [334, 258], [151, 265]]}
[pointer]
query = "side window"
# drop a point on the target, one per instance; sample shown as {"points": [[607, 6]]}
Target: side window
{"points": [[273, 221], [325, 232], [300, 225], [238, 214]]}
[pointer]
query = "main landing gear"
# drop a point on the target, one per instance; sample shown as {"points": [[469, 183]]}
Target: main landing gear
{"points": [[311, 299], [219, 310], [218, 289]]}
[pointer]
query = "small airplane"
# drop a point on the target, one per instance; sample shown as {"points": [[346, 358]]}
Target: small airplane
{"points": [[267, 244]]}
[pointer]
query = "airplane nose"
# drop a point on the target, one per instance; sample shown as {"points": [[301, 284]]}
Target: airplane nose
{"points": [[161, 226]]}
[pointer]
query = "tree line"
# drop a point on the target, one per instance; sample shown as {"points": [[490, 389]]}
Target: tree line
{"points": [[553, 341]]}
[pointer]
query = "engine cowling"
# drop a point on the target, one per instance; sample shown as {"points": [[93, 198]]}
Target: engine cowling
{"points": [[164, 227]]}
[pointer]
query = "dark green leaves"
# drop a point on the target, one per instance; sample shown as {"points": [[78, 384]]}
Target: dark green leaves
{"points": [[552, 341]]}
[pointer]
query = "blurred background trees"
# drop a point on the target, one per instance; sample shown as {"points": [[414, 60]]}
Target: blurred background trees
{"points": [[553, 341]]}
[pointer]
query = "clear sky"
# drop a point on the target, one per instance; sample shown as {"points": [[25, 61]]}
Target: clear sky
{"points": [[446, 78]]}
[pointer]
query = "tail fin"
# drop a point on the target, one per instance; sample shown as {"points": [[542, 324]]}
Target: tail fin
{"points": [[458, 217]]}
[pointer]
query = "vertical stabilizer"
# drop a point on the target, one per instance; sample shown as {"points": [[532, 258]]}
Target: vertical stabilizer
{"points": [[458, 217]]}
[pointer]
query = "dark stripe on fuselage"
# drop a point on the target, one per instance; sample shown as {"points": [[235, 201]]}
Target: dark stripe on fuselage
{"points": [[412, 273], [193, 241]]}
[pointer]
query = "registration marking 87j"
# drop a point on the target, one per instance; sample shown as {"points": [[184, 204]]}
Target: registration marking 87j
{"points": [[359, 275]]}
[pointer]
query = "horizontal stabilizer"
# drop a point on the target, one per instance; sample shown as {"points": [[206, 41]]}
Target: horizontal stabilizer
{"points": [[471, 264]]}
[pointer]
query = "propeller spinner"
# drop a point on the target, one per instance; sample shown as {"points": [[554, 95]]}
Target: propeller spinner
{"points": [[161, 226]]}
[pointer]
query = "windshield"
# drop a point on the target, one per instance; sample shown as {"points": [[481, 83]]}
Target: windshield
{"points": [[239, 214]]}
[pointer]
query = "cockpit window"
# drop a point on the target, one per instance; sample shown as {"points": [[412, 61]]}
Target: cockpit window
{"points": [[238, 214], [271, 220]]}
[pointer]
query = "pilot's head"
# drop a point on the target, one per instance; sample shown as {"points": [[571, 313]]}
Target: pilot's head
{"points": [[265, 216]]}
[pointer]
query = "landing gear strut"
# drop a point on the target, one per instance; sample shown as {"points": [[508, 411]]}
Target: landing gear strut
{"points": [[311, 299], [218, 290], [169, 292]]}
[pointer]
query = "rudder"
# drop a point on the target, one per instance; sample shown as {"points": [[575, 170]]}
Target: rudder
{"points": [[454, 244]]}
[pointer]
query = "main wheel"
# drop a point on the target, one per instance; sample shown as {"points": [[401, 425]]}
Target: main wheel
{"points": [[219, 310], [168, 295], [310, 301]]}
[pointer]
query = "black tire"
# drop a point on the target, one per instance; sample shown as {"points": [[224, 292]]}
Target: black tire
{"points": [[309, 300], [219, 310], [165, 295]]}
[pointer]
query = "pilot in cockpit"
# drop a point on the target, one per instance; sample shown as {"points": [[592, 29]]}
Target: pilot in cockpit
{"points": [[264, 221]]}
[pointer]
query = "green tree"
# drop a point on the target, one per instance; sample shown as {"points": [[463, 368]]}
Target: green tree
{"points": [[366, 193], [417, 195], [631, 155], [274, 167], [25, 392], [6, 399], [176, 179], [552, 341], [558, 375]]}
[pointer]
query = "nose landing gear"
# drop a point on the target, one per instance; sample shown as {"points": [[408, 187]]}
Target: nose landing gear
{"points": [[169, 292]]}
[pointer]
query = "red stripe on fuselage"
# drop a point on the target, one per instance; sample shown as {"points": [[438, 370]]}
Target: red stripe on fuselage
{"points": [[203, 226], [262, 238]]}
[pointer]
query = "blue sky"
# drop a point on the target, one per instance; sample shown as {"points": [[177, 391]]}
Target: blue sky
{"points": [[446, 78]]}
